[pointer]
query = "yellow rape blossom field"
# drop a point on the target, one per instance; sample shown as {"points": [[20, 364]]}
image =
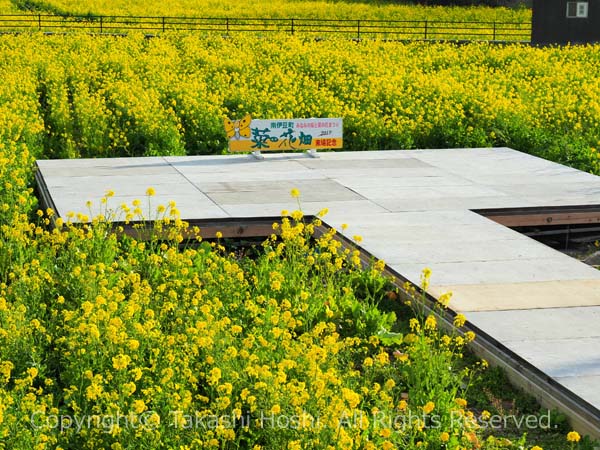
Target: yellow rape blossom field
{"points": [[8, 7], [263, 8], [115, 342], [84, 96]]}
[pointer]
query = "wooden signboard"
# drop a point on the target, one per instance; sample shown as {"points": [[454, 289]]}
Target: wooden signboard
{"points": [[251, 135]]}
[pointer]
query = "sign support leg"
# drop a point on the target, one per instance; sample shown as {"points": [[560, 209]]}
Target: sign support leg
{"points": [[258, 155]]}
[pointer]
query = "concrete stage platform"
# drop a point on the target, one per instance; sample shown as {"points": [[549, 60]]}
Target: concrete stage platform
{"points": [[414, 209]]}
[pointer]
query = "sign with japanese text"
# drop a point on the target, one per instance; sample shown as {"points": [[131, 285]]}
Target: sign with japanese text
{"points": [[251, 135]]}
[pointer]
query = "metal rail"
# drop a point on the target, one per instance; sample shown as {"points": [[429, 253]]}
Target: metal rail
{"points": [[356, 29]]}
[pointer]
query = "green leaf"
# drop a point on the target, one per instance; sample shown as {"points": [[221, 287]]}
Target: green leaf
{"points": [[389, 337]]}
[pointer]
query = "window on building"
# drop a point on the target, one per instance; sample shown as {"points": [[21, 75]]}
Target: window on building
{"points": [[577, 10]]}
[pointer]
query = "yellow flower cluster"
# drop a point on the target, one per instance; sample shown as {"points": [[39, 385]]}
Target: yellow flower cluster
{"points": [[133, 96], [108, 341], [573, 436]]}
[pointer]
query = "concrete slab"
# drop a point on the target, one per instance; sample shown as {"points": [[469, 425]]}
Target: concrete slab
{"points": [[500, 272], [562, 357], [381, 191], [541, 324], [425, 253], [585, 387], [106, 167], [564, 190], [445, 203], [202, 178], [559, 176], [387, 154], [414, 218], [394, 182], [267, 186], [274, 192], [97, 187], [114, 180], [194, 206], [562, 200], [241, 164], [46, 164], [274, 209], [522, 296], [393, 163], [394, 234]]}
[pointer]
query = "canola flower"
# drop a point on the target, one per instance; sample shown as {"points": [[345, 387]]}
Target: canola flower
{"points": [[195, 347], [573, 436], [167, 96]]}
